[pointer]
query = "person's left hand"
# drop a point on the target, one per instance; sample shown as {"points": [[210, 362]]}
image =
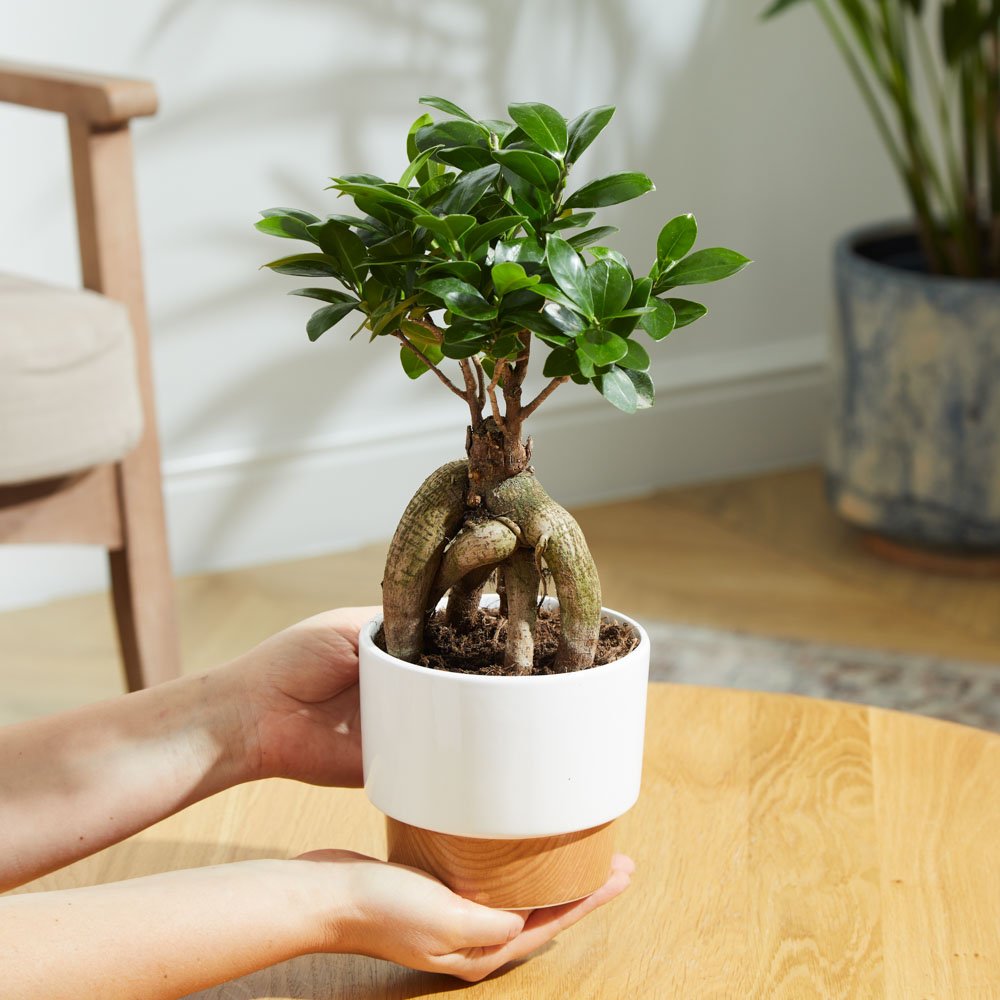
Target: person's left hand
{"points": [[300, 708]]}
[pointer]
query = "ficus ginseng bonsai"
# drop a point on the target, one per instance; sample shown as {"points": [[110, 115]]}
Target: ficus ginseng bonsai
{"points": [[474, 256]]}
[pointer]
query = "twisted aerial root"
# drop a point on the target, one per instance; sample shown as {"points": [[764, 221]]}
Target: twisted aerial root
{"points": [[430, 518], [476, 551], [521, 578], [554, 535]]}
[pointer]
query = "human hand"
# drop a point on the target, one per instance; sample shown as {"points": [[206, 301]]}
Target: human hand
{"points": [[403, 915], [299, 700]]}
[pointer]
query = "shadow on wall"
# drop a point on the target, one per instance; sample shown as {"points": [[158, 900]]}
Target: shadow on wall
{"points": [[698, 113]]}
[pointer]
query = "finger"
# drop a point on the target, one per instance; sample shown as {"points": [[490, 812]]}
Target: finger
{"points": [[483, 927], [350, 621]]}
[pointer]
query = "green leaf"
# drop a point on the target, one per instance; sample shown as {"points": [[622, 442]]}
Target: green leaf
{"points": [[778, 6], [343, 245], [606, 253], [306, 265], [564, 318], [553, 294], [413, 365], [618, 389], [585, 128], [461, 298], [451, 133], [525, 250], [465, 270], [324, 318], [686, 311], [660, 322], [487, 231], [411, 141], [416, 165], [703, 266], [419, 335], [509, 277], [589, 236], [569, 273], [636, 358], [676, 239], [610, 190], [609, 286], [536, 168], [392, 202], [448, 228], [643, 385], [561, 362], [324, 294], [509, 346], [467, 191], [602, 346], [286, 223], [542, 124], [465, 157], [570, 221], [442, 104], [463, 348]]}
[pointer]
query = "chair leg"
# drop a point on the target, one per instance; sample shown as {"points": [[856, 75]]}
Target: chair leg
{"points": [[141, 581]]}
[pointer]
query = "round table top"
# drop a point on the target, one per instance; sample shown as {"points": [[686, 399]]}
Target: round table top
{"points": [[785, 847]]}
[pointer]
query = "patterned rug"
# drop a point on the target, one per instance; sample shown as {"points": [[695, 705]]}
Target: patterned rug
{"points": [[957, 690]]}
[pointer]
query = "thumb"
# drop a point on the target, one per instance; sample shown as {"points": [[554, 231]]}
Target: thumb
{"points": [[482, 927]]}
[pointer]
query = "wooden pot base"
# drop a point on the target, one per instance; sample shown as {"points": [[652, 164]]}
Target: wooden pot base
{"points": [[509, 874], [950, 562]]}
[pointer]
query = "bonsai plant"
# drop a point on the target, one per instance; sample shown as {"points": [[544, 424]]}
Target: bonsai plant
{"points": [[478, 259], [914, 450]]}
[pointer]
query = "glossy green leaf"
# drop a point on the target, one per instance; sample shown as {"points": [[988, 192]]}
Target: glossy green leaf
{"points": [[686, 311], [660, 322], [636, 358], [676, 239], [324, 318], [704, 266], [461, 298], [287, 223], [416, 165], [564, 318], [553, 294], [537, 169], [324, 294], [643, 386], [449, 134], [561, 362], [618, 389], [343, 245], [463, 196], [306, 265], [542, 124], [509, 277], [413, 365], [479, 235], [608, 287], [463, 348], [606, 253], [571, 221], [411, 137], [465, 270], [465, 157], [602, 346], [569, 273], [509, 346], [394, 203], [449, 227], [525, 250], [585, 128], [610, 190], [449, 108], [589, 236]]}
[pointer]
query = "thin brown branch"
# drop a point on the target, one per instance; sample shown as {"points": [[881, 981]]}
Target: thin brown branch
{"points": [[543, 395], [480, 382], [471, 394], [491, 391], [430, 364]]}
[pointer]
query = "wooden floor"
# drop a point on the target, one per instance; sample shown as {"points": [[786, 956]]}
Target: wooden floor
{"points": [[762, 555]]}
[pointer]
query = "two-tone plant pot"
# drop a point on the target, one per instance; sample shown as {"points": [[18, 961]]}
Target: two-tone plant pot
{"points": [[914, 447], [504, 788]]}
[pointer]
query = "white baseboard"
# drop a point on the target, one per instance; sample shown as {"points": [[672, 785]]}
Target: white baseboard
{"points": [[734, 414]]}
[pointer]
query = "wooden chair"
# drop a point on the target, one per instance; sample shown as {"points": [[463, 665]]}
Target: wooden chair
{"points": [[117, 504]]}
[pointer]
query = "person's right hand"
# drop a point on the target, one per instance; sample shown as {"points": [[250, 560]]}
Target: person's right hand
{"points": [[403, 915]]}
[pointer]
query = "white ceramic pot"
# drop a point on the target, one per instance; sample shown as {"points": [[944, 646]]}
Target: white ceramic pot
{"points": [[502, 757]]}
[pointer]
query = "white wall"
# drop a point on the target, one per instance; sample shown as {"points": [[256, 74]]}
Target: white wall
{"points": [[275, 447]]}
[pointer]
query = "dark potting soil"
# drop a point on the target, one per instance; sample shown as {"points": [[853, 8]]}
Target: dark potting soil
{"points": [[481, 651]]}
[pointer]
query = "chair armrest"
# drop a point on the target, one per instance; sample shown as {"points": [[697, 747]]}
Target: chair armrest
{"points": [[100, 100]]}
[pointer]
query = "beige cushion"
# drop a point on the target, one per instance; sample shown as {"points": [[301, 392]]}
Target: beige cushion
{"points": [[69, 397]]}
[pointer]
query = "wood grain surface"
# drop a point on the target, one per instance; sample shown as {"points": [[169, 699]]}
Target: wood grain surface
{"points": [[785, 848]]}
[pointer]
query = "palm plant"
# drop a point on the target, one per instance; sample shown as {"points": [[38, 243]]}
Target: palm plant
{"points": [[471, 258], [948, 157]]}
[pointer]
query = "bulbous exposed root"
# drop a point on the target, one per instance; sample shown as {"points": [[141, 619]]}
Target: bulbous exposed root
{"points": [[553, 533], [430, 518], [481, 545], [521, 577]]}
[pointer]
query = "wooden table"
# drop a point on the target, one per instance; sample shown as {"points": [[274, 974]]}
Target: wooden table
{"points": [[786, 847]]}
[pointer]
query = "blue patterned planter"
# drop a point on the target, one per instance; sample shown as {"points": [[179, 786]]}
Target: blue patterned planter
{"points": [[914, 449]]}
